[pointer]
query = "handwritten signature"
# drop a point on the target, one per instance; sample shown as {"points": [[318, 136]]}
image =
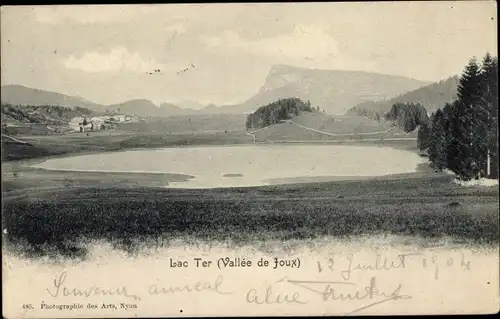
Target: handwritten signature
{"points": [[328, 291], [339, 291]]}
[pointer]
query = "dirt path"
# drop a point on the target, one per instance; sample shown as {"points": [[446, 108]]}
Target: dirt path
{"points": [[252, 134], [333, 134], [14, 139]]}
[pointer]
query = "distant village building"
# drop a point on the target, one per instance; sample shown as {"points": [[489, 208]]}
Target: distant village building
{"points": [[81, 124], [89, 127], [97, 123], [121, 118], [76, 123]]}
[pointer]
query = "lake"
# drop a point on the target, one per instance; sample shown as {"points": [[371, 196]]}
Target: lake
{"points": [[249, 165]]}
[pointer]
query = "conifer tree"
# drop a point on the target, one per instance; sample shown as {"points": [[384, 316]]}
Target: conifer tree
{"points": [[489, 91], [461, 156], [438, 141], [423, 136]]}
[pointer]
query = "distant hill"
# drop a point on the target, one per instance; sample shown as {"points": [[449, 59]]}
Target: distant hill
{"points": [[24, 96], [332, 90], [169, 109], [432, 97], [137, 107], [190, 105], [276, 111], [146, 108], [21, 95], [223, 109]]}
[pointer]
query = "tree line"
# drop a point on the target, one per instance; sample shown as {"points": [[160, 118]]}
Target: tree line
{"points": [[364, 109], [463, 136], [407, 116], [277, 111]]}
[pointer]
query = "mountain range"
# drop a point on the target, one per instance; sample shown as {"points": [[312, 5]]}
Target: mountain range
{"points": [[333, 91], [146, 108], [194, 105], [21, 95]]}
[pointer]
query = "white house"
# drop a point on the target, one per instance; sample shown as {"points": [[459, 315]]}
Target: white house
{"points": [[88, 127], [75, 123], [121, 118], [93, 124], [98, 121]]}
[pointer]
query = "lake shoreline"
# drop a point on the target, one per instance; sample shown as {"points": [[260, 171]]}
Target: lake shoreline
{"points": [[12, 169], [192, 173]]}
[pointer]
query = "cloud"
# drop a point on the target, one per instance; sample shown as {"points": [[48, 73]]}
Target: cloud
{"points": [[88, 14], [118, 59], [307, 42]]}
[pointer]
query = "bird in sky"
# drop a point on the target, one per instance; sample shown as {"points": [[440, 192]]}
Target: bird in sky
{"points": [[155, 71]]}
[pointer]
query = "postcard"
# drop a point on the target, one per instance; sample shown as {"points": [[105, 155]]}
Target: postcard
{"points": [[259, 159]]}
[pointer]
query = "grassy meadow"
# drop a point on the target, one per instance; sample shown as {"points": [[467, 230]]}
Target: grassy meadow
{"points": [[60, 220]]}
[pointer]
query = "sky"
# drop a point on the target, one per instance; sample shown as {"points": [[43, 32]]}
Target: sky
{"points": [[221, 53]]}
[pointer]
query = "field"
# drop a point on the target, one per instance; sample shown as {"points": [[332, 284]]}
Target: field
{"points": [[60, 219], [189, 123], [318, 127], [51, 213], [341, 124]]}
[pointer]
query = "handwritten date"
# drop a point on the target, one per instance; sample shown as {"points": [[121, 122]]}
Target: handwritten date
{"points": [[348, 264]]}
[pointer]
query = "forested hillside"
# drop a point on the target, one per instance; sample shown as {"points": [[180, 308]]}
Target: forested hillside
{"points": [[44, 114], [431, 97], [277, 111]]}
